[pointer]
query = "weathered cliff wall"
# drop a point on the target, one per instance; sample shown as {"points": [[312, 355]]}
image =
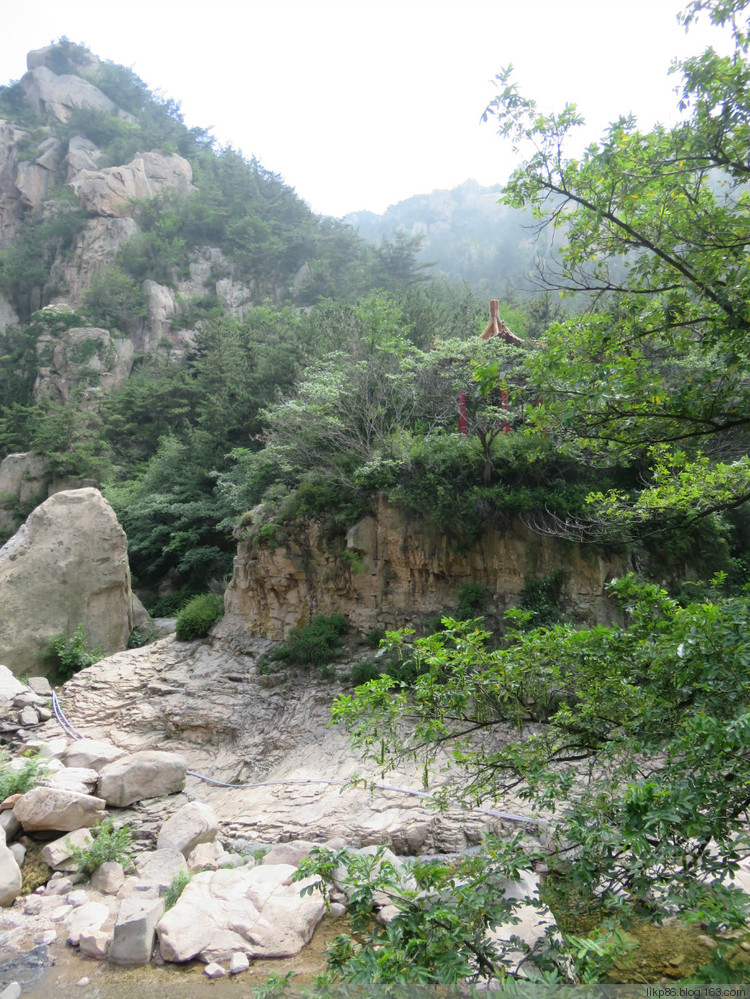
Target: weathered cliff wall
{"points": [[393, 573]]}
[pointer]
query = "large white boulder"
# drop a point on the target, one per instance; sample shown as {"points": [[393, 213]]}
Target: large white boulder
{"points": [[256, 911], [68, 564], [48, 808], [147, 774], [190, 825]]}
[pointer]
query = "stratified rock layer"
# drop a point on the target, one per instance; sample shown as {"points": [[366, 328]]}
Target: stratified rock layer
{"points": [[68, 564], [398, 572]]}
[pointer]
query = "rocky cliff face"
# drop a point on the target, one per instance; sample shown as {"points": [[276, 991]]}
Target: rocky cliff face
{"points": [[42, 174], [392, 573]]}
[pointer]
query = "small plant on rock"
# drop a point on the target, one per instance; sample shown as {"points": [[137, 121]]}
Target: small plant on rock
{"points": [[177, 886], [109, 844], [70, 655], [16, 779]]}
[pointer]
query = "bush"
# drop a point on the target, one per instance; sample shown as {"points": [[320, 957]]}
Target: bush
{"points": [[314, 644], [21, 780], [70, 655], [196, 619], [109, 845], [364, 672], [374, 637], [471, 599]]}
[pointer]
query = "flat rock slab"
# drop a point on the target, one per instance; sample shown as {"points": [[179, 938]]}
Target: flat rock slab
{"points": [[256, 911], [48, 808], [147, 774]]}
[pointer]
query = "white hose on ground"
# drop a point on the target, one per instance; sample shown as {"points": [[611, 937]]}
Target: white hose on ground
{"points": [[73, 733]]}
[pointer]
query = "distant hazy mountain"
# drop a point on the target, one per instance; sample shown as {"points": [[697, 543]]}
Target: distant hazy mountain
{"points": [[465, 232]]}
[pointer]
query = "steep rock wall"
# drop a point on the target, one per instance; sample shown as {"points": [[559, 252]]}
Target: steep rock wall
{"points": [[393, 573]]}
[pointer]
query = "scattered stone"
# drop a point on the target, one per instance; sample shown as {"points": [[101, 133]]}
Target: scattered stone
{"points": [[76, 898], [45, 937], [60, 914], [257, 911], [289, 853], [214, 970], [28, 717], [51, 748], [68, 562], [57, 853], [33, 905], [85, 918], [202, 858], [95, 943], [10, 875], [336, 910], [58, 886], [80, 779], [83, 982], [147, 774], [9, 685], [19, 852], [108, 878], [9, 824], [239, 963], [13, 991], [190, 825], [40, 685]]}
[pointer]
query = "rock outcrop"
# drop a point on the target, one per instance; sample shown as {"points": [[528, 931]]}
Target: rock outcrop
{"points": [[396, 573], [66, 565], [81, 356], [111, 192]]}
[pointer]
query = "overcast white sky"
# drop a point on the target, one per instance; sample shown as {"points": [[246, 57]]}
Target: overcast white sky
{"points": [[359, 104]]}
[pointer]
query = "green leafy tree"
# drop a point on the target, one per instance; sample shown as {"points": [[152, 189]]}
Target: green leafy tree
{"points": [[631, 741], [656, 221]]}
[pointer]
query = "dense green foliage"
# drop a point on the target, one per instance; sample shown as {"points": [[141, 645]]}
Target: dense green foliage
{"points": [[198, 616], [632, 740]]}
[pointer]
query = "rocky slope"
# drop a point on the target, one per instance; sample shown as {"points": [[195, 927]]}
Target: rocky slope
{"points": [[49, 169]]}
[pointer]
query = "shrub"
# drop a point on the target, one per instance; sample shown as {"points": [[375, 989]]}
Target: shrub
{"points": [[177, 886], [542, 595], [196, 619], [364, 672], [314, 644], [374, 637], [109, 844], [20, 780], [70, 655], [471, 599]]}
